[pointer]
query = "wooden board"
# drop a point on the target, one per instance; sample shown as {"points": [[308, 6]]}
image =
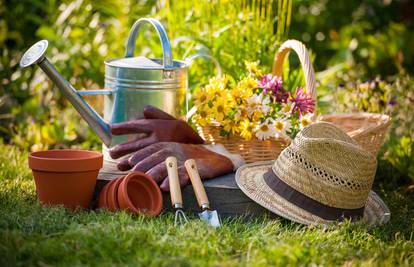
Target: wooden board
{"points": [[223, 193]]}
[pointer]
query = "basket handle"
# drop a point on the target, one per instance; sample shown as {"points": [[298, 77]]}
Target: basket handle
{"points": [[305, 62]]}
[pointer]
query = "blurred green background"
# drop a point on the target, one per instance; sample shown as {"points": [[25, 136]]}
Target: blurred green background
{"points": [[352, 43]]}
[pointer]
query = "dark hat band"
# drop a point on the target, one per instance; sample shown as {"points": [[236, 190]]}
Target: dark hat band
{"points": [[310, 205]]}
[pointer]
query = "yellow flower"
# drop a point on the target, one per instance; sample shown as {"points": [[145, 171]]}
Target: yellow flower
{"points": [[220, 109], [242, 113], [214, 82], [240, 95], [253, 68], [215, 92], [201, 97], [246, 129], [248, 84], [217, 86], [202, 117], [230, 126], [256, 116]]}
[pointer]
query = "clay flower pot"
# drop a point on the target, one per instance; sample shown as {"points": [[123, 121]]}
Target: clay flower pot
{"points": [[112, 194], [65, 177], [102, 201], [138, 193]]}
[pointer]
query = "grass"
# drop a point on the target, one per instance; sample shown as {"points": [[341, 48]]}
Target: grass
{"points": [[32, 235]]}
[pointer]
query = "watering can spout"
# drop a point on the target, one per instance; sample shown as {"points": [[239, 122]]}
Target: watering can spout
{"points": [[35, 55]]}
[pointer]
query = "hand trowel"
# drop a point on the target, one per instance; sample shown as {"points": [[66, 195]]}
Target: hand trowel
{"points": [[208, 215]]}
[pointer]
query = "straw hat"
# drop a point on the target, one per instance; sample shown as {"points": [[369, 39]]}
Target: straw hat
{"points": [[321, 177]]}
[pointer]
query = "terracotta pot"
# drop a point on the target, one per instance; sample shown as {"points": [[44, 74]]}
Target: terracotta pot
{"points": [[139, 193], [112, 194], [102, 201], [65, 177]]}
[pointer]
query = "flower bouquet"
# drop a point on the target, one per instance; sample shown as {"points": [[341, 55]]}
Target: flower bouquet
{"points": [[256, 115]]}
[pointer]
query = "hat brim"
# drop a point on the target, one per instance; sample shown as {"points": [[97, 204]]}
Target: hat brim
{"points": [[250, 180]]}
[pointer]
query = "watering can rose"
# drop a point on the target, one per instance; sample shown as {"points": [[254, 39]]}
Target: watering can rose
{"points": [[257, 105]]}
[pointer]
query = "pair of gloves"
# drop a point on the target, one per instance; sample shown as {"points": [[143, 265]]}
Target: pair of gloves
{"points": [[165, 136]]}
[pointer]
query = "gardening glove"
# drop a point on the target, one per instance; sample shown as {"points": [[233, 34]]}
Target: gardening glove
{"points": [[212, 161], [157, 126]]}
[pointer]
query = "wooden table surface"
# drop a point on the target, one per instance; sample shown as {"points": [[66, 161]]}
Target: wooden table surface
{"points": [[223, 193]]}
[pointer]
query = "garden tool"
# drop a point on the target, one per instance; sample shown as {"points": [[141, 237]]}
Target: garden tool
{"points": [[175, 190], [207, 215], [130, 84]]}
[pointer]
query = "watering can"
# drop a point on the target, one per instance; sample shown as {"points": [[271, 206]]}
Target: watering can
{"points": [[130, 83]]}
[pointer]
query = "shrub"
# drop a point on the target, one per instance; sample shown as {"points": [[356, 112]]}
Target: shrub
{"points": [[395, 98]]}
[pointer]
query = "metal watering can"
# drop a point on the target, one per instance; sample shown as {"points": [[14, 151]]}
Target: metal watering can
{"points": [[130, 83]]}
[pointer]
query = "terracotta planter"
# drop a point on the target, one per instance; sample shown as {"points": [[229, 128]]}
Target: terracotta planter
{"points": [[139, 193], [103, 201], [65, 177], [136, 193], [112, 194]]}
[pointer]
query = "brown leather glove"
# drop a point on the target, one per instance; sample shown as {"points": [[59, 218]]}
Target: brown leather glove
{"points": [[151, 160], [158, 127]]}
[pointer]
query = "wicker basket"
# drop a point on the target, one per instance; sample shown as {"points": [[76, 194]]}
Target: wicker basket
{"points": [[367, 129], [251, 150]]}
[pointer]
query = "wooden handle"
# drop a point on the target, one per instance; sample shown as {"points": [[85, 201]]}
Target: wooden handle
{"points": [[198, 186], [175, 190], [305, 62]]}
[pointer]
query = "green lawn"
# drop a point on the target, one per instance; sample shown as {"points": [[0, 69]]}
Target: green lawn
{"points": [[32, 235]]}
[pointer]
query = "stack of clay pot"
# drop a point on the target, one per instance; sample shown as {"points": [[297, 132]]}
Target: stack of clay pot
{"points": [[135, 192]]}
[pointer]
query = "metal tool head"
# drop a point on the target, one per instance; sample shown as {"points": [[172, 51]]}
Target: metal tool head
{"points": [[34, 54], [211, 217], [180, 217]]}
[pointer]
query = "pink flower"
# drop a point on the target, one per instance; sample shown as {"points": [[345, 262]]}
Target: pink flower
{"points": [[273, 85], [304, 103], [270, 83], [281, 96]]}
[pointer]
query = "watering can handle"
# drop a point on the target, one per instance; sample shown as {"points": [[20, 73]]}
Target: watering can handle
{"points": [[189, 61], [165, 42]]}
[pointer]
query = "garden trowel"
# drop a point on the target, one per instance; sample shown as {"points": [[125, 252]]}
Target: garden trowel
{"points": [[207, 215]]}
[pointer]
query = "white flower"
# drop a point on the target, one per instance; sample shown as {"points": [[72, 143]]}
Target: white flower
{"points": [[281, 127], [258, 102], [265, 104], [287, 108], [265, 130], [305, 120], [253, 103]]}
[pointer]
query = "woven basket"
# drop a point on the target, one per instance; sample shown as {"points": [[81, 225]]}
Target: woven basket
{"points": [[251, 150], [367, 129]]}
